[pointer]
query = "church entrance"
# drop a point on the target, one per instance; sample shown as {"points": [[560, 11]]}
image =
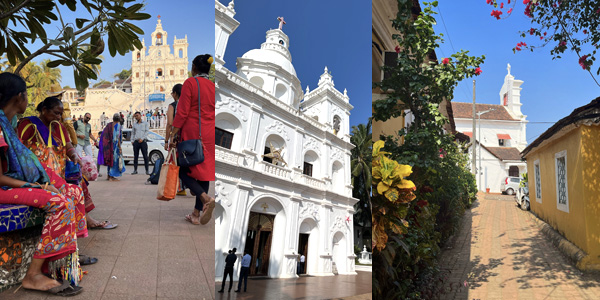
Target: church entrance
{"points": [[303, 250], [258, 242]]}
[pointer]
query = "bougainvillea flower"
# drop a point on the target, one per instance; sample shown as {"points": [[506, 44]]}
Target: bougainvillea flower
{"points": [[518, 48], [509, 11], [528, 9], [496, 14], [531, 31], [508, 1], [582, 61], [397, 49], [562, 43], [502, 5], [585, 31], [477, 71], [445, 61], [488, 1], [525, 1]]}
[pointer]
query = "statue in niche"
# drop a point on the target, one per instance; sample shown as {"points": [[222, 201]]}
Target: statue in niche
{"points": [[276, 155], [336, 125]]}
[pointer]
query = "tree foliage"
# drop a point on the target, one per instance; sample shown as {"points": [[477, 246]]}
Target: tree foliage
{"points": [[444, 187], [79, 42], [360, 165], [560, 25], [124, 74], [39, 79]]}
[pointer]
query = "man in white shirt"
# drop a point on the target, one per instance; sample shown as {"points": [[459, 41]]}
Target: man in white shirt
{"points": [[139, 136], [244, 272], [302, 260]]}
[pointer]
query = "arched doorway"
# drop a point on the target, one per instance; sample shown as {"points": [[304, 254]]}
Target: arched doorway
{"points": [[308, 245], [258, 242], [338, 251]]}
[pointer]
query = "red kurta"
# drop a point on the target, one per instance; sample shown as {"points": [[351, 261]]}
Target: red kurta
{"points": [[187, 120]]}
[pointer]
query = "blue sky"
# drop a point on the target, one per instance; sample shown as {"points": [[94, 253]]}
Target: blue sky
{"points": [[179, 17], [335, 34], [552, 89]]}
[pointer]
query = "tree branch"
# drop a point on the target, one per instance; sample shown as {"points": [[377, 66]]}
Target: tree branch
{"points": [[14, 10]]}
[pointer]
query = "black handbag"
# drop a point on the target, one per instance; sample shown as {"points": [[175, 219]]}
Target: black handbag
{"points": [[191, 152]]}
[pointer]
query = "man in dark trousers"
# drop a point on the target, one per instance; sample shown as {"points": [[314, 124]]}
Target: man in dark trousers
{"points": [[139, 136], [244, 272], [229, 262]]}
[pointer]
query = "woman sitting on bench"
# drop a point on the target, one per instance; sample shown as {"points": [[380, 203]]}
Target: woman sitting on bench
{"points": [[24, 181]]}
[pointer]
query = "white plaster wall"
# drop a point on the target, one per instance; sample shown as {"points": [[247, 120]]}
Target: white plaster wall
{"points": [[491, 128]]}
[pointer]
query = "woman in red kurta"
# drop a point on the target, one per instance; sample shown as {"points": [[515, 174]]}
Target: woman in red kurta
{"points": [[186, 124]]}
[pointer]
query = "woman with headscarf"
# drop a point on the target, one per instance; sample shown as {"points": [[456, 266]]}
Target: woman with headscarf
{"points": [[25, 181], [190, 114], [112, 154]]}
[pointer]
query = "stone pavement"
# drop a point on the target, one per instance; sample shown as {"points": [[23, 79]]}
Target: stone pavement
{"points": [[153, 254], [500, 253], [349, 287]]}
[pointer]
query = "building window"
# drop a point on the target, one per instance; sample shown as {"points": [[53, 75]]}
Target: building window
{"points": [[181, 72], [513, 171], [224, 138], [267, 159], [180, 53], [537, 181], [138, 56], [162, 88], [159, 40], [562, 190], [171, 72], [147, 73], [308, 168], [159, 72], [137, 74], [501, 142], [336, 124]]}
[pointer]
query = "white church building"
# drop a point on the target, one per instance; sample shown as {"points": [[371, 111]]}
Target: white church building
{"points": [[282, 162], [502, 137], [155, 69]]}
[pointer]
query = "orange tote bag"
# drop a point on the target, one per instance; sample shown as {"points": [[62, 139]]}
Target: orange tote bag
{"points": [[169, 178]]}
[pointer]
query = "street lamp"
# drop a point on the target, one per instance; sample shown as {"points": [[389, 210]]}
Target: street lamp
{"points": [[479, 171]]}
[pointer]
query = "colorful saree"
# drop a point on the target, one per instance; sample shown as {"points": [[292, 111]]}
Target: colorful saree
{"points": [[117, 138], [64, 212]]}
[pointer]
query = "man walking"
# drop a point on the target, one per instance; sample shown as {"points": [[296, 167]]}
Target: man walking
{"points": [[139, 136], [229, 262], [302, 260], [103, 120], [84, 133], [244, 272]]}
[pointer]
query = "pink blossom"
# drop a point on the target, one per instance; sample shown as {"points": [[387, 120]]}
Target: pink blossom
{"points": [[517, 48], [502, 5], [397, 49], [508, 1], [445, 61], [489, 1], [509, 11], [477, 71], [531, 31], [582, 61], [525, 1], [562, 43], [585, 31], [528, 9], [541, 38], [545, 33]]}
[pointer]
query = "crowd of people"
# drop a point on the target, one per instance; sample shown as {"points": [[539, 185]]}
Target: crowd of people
{"points": [[34, 173]]}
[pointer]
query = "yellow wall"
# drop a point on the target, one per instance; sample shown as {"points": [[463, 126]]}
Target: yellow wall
{"points": [[590, 152], [572, 224]]}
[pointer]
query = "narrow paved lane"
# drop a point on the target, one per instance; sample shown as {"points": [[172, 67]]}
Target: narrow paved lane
{"points": [[500, 253]]}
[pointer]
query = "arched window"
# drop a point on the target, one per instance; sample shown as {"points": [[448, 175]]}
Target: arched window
{"points": [[138, 56], [311, 164], [137, 74], [280, 91], [159, 71], [256, 80], [180, 53], [159, 39], [336, 124], [162, 88]]}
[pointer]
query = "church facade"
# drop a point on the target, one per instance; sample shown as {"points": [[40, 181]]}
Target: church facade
{"points": [[283, 185], [155, 69], [501, 135]]}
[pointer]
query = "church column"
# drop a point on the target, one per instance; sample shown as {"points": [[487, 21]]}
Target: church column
{"points": [[325, 257], [239, 225], [291, 244], [252, 137]]}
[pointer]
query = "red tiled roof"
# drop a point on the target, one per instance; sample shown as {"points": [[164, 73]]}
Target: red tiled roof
{"points": [[465, 110], [468, 133], [503, 136], [505, 153]]}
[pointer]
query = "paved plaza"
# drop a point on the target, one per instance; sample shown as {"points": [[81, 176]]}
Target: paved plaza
{"points": [[153, 254], [348, 287], [500, 253]]}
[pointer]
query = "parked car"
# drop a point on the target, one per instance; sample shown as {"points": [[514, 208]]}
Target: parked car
{"points": [[510, 185], [522, 197], [156, 148]]}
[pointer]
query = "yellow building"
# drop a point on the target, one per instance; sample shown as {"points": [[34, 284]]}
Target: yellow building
{"points": [[564, 180]]}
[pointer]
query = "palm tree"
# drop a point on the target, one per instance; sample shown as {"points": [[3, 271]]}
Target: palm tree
{"points": [[361, 172]]}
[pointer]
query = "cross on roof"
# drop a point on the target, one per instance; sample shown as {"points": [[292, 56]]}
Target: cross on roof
{"points": [[281, 22], [159, 16]]}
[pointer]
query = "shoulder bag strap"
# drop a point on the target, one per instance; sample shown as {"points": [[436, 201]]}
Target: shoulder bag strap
{"points": [[35, 132], [62, 135], [199, 111]]}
